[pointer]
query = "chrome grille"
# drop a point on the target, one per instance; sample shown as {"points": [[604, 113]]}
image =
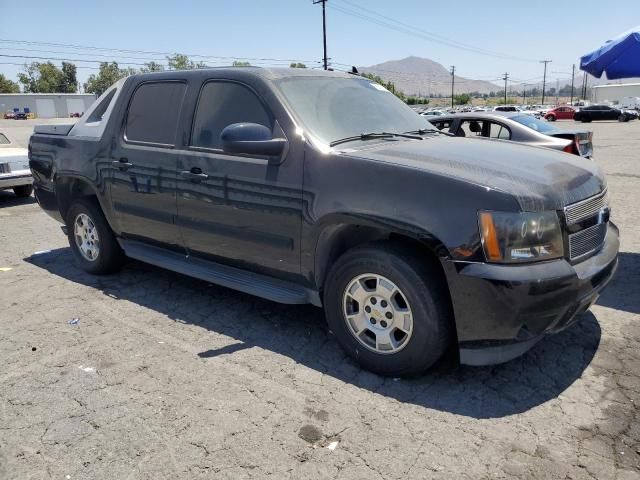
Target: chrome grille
{"points": [[587, 240], [586, 208]]}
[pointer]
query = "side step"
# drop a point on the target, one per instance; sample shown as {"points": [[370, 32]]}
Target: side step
{"points": [[248, 282]]}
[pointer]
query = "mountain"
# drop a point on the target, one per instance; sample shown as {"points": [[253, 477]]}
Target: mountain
{"points": [[415, 75]]}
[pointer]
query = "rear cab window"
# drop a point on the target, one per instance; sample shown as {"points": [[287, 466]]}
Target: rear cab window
{"points": [[154, 113]]}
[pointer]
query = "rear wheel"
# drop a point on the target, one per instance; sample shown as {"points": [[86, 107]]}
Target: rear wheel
{"points": [[92, 242], [388, 308], [23, 191]]}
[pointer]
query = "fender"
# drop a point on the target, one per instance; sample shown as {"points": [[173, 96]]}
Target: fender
{"points": [[337, 232]]}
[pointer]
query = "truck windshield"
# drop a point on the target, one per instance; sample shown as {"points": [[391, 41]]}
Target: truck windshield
{"points": [[336, 108]]}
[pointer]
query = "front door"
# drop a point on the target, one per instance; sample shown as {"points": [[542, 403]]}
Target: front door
{"points": [[144, 165], [238, 209]]}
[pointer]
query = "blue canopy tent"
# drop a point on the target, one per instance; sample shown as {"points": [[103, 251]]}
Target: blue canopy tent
{"points": [[618, 58]]}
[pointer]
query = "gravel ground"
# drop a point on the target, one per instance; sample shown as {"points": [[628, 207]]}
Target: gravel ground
{"points": [[168, 377]]}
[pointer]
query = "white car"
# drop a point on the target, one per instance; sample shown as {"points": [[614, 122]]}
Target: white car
{"points": [[14, 168]]}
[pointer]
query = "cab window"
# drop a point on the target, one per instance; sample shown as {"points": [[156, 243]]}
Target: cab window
{"points": [[154, 112], [221, 104]]}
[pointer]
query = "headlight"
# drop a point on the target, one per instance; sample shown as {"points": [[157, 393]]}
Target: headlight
{"points": [[520, 237]]}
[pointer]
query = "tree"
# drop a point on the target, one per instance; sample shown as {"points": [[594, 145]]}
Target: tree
{"points": [[8, 86], [461, 99], [41, 78], [180, 61], [108, 74], [236, 63], [297, 65], [69, 82], [152, 67]]}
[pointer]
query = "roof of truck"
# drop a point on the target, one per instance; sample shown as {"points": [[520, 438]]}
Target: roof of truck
{"points": [[268, 73]]}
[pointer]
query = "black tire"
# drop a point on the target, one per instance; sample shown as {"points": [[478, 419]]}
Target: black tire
{"points": [[110, 257], [622, 118], [425, 291], [23, 191], [551, 118], [586, 120]]}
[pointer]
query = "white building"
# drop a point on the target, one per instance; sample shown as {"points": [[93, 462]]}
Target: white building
{"points": [[46, 105], [614, 93]]}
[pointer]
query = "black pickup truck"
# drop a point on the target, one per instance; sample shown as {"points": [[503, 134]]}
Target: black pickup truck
{"points": [[303, 186]]}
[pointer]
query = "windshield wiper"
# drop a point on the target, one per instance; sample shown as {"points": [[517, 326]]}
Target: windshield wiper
{"points": [[370, 135], [424, 131]]}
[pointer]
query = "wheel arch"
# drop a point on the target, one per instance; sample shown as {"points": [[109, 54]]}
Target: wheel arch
{"points": [[339, 233], [70, 187]]}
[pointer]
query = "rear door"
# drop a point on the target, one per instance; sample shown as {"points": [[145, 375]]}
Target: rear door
{"points": [[144, 164]]}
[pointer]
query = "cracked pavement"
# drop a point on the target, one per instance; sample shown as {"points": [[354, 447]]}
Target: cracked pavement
{"points": [[166, 376]]}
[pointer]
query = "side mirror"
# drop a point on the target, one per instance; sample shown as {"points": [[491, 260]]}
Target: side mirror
{"points": [[252, 139]]}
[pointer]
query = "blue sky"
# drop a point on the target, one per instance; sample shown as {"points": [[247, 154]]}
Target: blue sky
{"points": [[292, 29]]}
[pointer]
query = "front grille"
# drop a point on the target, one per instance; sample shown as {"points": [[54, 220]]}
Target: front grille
{"points": [[589, 217], [587, 240], [586, 208]]}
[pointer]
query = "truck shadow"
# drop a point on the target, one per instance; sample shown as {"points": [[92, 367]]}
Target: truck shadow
{"points": [[300, 333], [623, 292]]}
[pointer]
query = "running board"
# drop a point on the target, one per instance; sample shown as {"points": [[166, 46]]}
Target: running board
{"points": [[248, 282]]}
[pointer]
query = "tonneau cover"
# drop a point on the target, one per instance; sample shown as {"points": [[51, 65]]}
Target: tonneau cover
{"points": [[53, 129]]}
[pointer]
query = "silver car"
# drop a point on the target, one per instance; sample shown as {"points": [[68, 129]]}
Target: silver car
{"points": [[517, 127], [14, 168]]}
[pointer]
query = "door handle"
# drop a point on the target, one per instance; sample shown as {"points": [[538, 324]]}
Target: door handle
{"points": [[122, 164], [195, 174]]}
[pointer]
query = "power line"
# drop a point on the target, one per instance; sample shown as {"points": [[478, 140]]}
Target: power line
{"points": [[385, 21], [145, 52]]}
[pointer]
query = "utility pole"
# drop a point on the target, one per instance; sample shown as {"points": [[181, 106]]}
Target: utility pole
{"points": [[453, 80], [505, 78], [544, 78], [573, 74], [524, 94], [324, 29]]}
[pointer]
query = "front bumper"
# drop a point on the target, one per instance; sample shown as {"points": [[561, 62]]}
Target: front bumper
{"points": [[503, 310], [15, 179]]}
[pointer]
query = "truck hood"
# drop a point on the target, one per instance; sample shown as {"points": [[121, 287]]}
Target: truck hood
{"points": [[539, 178]]}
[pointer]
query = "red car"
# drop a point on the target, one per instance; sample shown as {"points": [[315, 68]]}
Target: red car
{"points": [[564, 112]]}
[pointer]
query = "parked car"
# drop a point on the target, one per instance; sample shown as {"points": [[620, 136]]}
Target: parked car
{"points": [[14, 168], [9, 115], [305, 186], [602, 112], [563, 112], [506, 108], [432, 113], [20, 116], [517, 127]]}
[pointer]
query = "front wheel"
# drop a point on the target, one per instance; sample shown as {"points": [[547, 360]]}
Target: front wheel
{"points": [[388, 308], [551, 118], [622, 118], [92, 242]]}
